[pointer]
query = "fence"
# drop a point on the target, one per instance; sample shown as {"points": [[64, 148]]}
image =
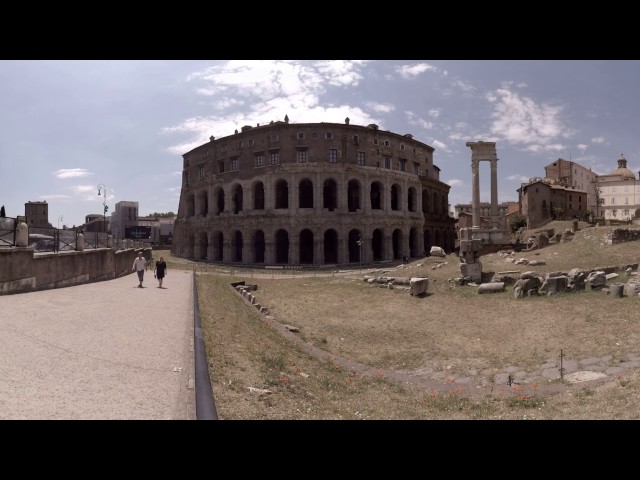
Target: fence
{"points": [[50, 239]]}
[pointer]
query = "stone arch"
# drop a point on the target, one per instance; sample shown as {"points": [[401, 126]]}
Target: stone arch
{"points": [[377, 196], [237, 245], [355, 248], [305, 193], [258, 196], [282, 247], [330, 246], [219, 196], [202, 246], [395, 196], [443, 205], [191, 205], [237, 196], [354, 189], [436, 206], [425, 201], [377, 245], [396, 242], [412, 199], [306, 246], [330, 195], [413, 242], [258, 246], [218, 246], [203, 200], [282, 194], [436, 239], [427, 241]]}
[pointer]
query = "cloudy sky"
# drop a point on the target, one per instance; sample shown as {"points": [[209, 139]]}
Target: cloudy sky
{"points": [[68, 126]]}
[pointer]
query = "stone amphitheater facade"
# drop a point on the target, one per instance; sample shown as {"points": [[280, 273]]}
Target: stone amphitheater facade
{"points": [[296, 194]]}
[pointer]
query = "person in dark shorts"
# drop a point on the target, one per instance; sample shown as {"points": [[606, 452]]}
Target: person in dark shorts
{"points": [[160, 271]]}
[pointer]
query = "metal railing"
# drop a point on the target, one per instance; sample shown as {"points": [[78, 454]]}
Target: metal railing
{"points": [[8, 232], [50, 239]]}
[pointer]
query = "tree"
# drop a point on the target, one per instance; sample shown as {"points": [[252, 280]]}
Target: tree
{"points": [[597, 193], [517, 221], [2, 214], [162, 215]]}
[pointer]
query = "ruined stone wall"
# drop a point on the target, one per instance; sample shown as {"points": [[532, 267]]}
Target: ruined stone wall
{"points": [[622, 235]]}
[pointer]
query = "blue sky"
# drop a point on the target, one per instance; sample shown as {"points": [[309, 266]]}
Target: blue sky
{"points": [[68, 126]]}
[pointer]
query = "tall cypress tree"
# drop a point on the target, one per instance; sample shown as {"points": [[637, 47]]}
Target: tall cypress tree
{"points": [[2, 214]]}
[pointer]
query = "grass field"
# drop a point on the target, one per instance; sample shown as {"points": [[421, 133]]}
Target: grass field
{"points": [[258, 373]]}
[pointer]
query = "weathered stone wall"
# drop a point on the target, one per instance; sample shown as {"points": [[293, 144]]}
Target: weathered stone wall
{"points": [[622, 235], [23, 270]]}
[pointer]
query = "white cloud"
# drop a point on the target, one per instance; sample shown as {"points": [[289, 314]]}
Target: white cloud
{"points": [[520, 178], [380, 107], [520, 120], [597, 140], [50, 197], [438, 144], [434, 112], [556, 147], [262, 91], [413, 119], [84, 188], [464, 86], [411, 71], [582, 146], [71, 173], [521, 85], [454, 182]]}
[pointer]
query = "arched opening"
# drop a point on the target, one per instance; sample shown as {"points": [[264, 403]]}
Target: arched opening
{"points": [[376, 196], [190, 245], [353, 195], [331, 246], [425, 201], [306, 246], [258, 196], [191, 205], [355, 248], [305, 193], [377, 244], [395, 194], [238, 197], [413, 243], [435, 206], [282, 247], [237, 246], [282, 194], [218, 247], [330, 195], [258, 246], [411, 199], [396, 240], [436, 239], [204, 203], [427, 242], [202, 246], [220, 201], [443, 205]]}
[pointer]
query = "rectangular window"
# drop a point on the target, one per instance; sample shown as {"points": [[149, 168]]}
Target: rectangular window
{"points": [[235, 162], [315, 135], [375, 141], [300, 135], [416, 168], [402, 146], [386, 143], [414, 150], [402, 165], [613, 201], [387, 162], [302, 156], [201, 171], [260, 160], [361, 158], [221, 167], [356, 140], [275, 158], [240, 144], [250, 142], [328, 135], [274, 137], [333, 155]]}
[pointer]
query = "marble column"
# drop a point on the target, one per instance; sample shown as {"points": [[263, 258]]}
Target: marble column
{"points": [[475, 199]]}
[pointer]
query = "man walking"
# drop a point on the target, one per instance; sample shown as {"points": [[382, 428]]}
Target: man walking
{"points": [[138, 265]]}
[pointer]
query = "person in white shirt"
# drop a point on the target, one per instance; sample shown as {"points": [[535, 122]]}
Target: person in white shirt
{"points": [[138, 265]]}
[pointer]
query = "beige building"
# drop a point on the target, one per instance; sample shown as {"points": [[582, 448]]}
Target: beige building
{"points": [[485, 214], [311, 193], [620, 193]]}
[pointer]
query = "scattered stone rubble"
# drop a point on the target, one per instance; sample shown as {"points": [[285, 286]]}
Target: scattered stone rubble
{"points": [[416, 286]]}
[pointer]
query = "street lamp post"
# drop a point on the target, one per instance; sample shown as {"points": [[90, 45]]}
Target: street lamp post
{"points": [[59, 220], [102, 187]]}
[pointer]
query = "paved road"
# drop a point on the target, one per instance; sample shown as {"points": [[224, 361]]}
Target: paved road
{"points": [[105, 350]]}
